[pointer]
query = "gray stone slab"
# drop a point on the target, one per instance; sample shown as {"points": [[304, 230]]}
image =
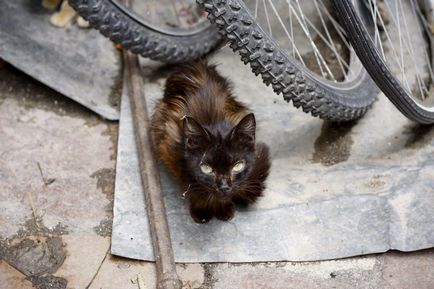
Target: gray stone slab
{"points": [[334, 190], [79, 63]]}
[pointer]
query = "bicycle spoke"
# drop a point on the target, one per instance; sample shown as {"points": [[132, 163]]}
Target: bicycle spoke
{"points": [[320, 60], [291, 39], [400, 40], [374, 11], [338, 28], [330, 42], [268, 19], [428, 32], [422, 88], [292, 31], [256, 9], [389, 39]]}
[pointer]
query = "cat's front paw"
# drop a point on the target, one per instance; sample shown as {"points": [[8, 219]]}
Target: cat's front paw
{"points": [[200, 215], [225, 213], [243, 202]]}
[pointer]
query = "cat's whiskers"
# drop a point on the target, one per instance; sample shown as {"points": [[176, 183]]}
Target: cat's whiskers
{"points": [[185, 192], [250, 191], [210, 199]]}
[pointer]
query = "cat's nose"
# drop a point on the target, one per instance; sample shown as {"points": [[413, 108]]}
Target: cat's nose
{"points": [[224, 187]]}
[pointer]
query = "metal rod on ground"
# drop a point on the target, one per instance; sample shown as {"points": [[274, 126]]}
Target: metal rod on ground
{"points": [[167, 277]]}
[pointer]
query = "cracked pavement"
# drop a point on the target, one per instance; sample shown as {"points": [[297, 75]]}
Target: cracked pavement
{"points": [[55, 222]]}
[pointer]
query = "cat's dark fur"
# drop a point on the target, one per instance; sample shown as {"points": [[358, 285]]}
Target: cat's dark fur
{"points": [[204, 136]]}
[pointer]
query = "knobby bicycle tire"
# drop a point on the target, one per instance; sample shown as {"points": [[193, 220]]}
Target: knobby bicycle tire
{"points": [[114, 23], [377, 68], [342, 101]]}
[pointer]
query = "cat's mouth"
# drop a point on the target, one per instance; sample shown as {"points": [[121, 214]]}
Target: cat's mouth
{"points": [[223, 194]]}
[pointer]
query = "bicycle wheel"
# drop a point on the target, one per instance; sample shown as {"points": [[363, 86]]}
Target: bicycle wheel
{"points": [[402, 66], [152, 29], [317, 69]]}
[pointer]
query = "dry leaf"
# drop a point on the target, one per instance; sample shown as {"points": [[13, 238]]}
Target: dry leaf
{"points": [[64, 17], [82, 23]]}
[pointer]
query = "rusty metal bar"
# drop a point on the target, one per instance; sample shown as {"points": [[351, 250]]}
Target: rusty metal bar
{"points": [[167, 277]]}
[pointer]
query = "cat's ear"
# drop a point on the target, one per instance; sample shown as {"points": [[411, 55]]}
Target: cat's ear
{"points": [[195, 135], [244, 131]]}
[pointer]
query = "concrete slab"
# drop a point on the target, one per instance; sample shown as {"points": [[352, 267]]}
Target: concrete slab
{"points": [[124, 273], [358, 273], [84, 255], [393, 270], [37, 137], [400, 268], [56, 185]]}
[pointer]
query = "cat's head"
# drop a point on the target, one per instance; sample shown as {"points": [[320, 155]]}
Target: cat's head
{"points": [[220, 158]]}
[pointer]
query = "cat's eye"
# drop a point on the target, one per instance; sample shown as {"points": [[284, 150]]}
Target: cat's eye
{"points": [[206, 169], [239, 167]]}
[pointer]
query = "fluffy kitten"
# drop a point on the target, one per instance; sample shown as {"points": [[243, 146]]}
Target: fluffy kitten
{"points": [[206, 139]]}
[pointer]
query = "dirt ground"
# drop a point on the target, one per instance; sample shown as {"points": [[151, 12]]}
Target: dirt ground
{"points": [[57, 163]]}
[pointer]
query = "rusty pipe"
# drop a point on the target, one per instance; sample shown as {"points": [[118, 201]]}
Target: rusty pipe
{"points": [[167, 277]]}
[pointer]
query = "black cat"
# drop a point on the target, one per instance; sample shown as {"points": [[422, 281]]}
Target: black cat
{"points": [[206, 138]]}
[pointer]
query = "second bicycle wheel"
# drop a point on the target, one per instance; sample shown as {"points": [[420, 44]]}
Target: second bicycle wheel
{"points": [[402, 65], [159, 29], [300, 49]]}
